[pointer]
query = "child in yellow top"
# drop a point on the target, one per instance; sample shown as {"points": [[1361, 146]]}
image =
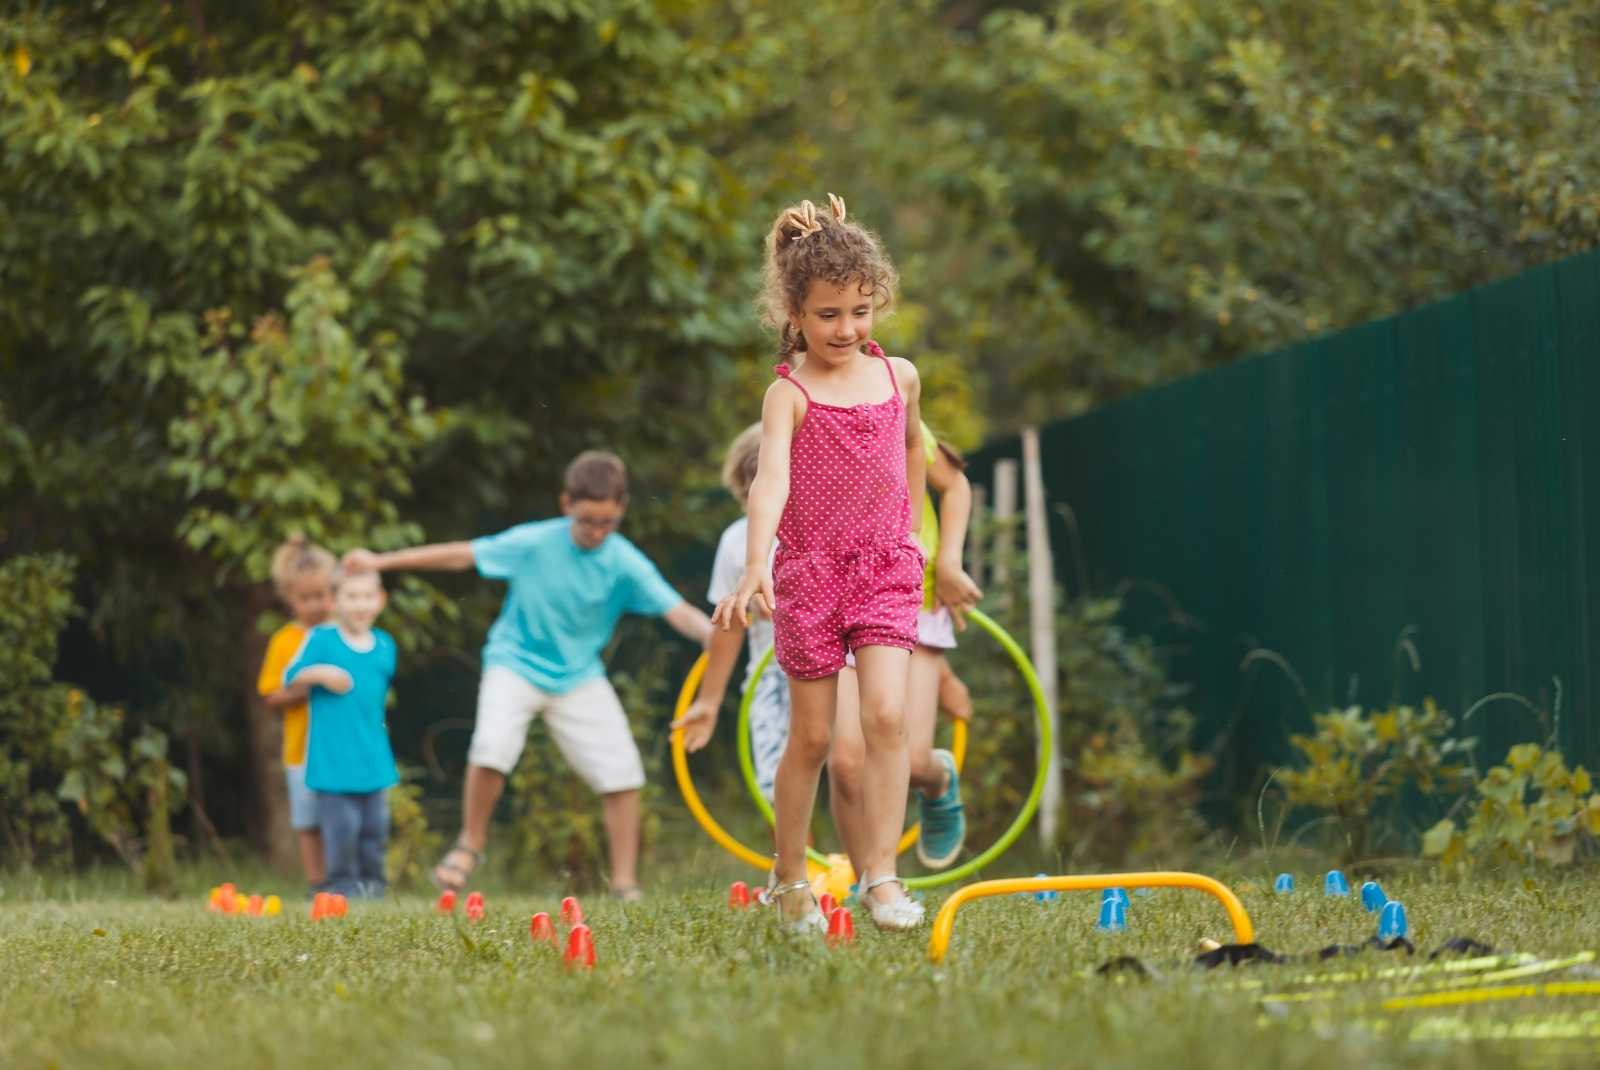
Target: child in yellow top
{"points": [[303, 575]]}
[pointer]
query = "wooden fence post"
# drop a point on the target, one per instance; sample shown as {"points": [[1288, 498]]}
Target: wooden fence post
{"points": [[1042, 621], [1005, 515]]}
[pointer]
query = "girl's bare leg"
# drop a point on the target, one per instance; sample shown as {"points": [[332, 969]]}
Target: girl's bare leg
{"points": [[846, 766], [811, 712], [881, 672]]}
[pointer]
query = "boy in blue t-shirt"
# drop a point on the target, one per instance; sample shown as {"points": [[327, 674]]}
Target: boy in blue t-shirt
{"points": [[571, 578], [346, 666]]}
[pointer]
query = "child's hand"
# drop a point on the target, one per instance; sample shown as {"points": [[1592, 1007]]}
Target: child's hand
{"points": [[360, 561], [328, 677], [698, 724], [735, 609], [956, 591]]}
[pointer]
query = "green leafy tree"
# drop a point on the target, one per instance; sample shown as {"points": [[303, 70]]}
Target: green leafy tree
{"points": [[369, 270]]}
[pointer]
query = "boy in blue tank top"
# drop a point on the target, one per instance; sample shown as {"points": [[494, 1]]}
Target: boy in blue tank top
{"points": [[570, 579], [346, 667]]}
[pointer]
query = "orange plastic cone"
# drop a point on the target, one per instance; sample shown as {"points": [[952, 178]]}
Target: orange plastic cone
{"points": [[841, 927], [254, 905], [338, 906], [580, 949], [543, 930], [571, 911], [320, 906], [739, 895]]}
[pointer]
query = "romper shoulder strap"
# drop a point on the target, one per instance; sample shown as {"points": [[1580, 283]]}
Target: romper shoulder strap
{"points": [[876, 350], [783, 371]]}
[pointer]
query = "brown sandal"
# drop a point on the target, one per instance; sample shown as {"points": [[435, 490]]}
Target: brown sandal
{"points": [[450, 876]]}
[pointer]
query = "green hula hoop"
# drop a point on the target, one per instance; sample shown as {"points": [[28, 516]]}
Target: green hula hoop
{"points": [[1007, 838]]}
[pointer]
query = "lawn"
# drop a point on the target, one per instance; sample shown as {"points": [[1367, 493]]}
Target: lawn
{"points": [[95, 975]]}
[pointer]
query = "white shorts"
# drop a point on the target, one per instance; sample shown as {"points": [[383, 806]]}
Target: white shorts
{"points": [[587, 724], [936, 629]]}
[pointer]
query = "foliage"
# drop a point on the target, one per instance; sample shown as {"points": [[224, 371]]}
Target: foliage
{"points": [[60, 748], [1099, 195], [413, 846], [1531, 809], [1359, 758], [370, 270], [375, 269]]}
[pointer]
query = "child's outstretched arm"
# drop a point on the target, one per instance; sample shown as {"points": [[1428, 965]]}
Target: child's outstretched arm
{"points": [[699, 721], [954, 589], [438, 556], [768, 495], [689, 622]]}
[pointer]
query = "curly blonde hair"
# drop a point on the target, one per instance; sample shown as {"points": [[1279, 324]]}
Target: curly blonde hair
{"points": [[804, 245]]}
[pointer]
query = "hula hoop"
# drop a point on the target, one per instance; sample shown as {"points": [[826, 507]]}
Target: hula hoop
{"points": [[747, 765], [691, 797]]}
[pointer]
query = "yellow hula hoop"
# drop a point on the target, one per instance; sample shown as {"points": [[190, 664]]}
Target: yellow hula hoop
{"points": [[691, 797]]}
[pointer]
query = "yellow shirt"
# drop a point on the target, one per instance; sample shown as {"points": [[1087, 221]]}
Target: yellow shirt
{"points": [[928, 531], [281, 649]]}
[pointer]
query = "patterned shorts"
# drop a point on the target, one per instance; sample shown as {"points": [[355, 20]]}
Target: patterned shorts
{"points": [[832, 604]]}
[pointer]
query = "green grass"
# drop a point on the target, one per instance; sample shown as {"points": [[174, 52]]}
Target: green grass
{"points": [[93, 975]]}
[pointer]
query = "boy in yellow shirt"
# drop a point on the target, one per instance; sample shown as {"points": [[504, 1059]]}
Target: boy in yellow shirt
{"points": [[303, 575]]}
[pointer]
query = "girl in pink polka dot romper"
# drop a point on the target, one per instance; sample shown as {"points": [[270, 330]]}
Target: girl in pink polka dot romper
{"points": [[841, 462]]}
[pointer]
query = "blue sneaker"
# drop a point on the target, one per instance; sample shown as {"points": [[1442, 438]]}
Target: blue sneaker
{"points": [[944, 820]]}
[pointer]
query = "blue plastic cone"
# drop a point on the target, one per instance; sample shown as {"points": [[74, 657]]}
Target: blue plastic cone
{"points": [[1373, 897], [1046, 897], [1335, 883], [1392, 922], [1118, 894], [1113, 915], [1284, 884]]}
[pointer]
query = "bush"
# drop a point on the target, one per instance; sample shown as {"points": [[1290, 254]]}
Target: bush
{"points": [[1359, 758], [1532, 809], [412, 844], [60, 749]]}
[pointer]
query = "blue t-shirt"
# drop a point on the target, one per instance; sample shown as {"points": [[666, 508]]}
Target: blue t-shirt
{"points": [[564, 600], [348, 750]]}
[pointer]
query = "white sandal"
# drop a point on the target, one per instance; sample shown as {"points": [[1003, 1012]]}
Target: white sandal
{"points": [[897, 915], [810, 922]]}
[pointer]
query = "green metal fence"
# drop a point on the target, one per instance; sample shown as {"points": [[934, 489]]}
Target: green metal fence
{"points": [[1438, 471]]}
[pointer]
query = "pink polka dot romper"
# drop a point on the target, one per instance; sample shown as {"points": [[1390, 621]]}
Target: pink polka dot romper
{"points": [[848, 572]]}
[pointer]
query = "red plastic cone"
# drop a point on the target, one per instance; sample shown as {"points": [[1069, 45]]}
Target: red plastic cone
{"points": [[475, 907], [739, 895], [580, 949], [571, 911], [841, 927], [543, 930], [447, 902], [827, 904]]}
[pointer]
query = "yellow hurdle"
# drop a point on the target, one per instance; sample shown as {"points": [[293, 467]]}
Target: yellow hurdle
{"points": [[944, 924]]}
